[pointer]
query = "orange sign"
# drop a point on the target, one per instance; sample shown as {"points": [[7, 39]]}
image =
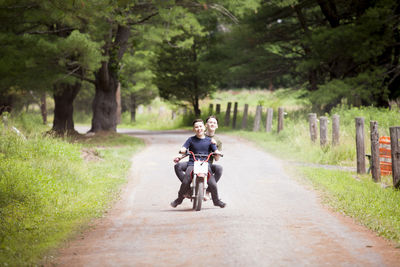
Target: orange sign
{"points": [[385, 157]]}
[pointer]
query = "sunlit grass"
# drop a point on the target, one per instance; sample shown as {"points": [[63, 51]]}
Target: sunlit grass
{"points": [[49, 188], [359, 197]]}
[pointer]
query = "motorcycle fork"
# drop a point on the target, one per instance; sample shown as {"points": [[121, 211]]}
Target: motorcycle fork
{"points": [[194, 183]]}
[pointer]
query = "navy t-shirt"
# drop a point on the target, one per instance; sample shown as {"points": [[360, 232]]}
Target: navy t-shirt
{"points": [[199, 146]]}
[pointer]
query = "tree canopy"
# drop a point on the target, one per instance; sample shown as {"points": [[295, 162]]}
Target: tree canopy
{"points": [[184, 49]]}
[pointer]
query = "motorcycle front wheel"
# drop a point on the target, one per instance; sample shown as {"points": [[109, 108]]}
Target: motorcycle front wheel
{"points": [[198, 199]]}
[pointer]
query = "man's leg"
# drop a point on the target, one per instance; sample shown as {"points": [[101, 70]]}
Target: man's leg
{"points": [[184, 187], [217, 171], [212, 186], [180, 169]]}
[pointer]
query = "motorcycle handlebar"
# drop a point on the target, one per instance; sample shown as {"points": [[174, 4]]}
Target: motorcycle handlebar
{"points": [[202, 155]]}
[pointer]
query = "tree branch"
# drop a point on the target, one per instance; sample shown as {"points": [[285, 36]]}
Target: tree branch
{"points": [[52, 31], [144, 19]]}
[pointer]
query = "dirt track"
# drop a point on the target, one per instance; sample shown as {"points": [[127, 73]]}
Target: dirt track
{"points": [[270, 219]]}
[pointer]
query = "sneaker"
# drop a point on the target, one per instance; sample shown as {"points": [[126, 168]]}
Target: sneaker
{"points": [[220, 204], [207, 196], [176, 202]]}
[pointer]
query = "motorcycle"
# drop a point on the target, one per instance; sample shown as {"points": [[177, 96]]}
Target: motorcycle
{"points": [[200, 177]]}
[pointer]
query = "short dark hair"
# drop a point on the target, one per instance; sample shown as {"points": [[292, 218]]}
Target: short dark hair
{"points": [[197, 120], [211, 117]]}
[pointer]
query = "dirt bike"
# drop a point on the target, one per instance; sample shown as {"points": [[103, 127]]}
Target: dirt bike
{"points": [[200, 177]]}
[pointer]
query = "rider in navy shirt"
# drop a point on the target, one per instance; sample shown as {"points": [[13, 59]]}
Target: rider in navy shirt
{"points": [[198, 144]]}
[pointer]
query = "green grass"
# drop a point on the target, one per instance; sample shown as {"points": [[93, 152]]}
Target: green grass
{"points": [[48, 191], [368, 202], [153, 120]]}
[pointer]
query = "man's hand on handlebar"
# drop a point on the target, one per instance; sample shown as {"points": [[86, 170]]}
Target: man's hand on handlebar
{"points": [[217, 155], [183, 151]]}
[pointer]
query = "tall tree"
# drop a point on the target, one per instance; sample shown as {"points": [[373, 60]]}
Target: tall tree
{"points": [[43, 51], [336, 49], [137, 78]]}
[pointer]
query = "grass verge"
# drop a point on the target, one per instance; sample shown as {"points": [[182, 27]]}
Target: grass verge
{"points": [[359, 197], [49, 188]]}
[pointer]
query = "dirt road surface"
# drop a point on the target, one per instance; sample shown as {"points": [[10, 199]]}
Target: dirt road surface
{"points": [[270, 219]]}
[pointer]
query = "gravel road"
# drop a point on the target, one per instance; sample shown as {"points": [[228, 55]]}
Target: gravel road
{"points": [[270, 219]]}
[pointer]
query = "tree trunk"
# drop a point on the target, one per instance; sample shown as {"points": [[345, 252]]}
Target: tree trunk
{"points": [[329, 10], [6, 102], [105, 102], [43, 107], [196, 106], [133, 107], [119, 107], [64, 96]]}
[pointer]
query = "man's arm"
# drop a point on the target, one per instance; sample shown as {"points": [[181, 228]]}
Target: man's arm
{"points": [[181, 151]]}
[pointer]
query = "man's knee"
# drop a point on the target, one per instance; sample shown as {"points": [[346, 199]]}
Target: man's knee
{"points": [[176, 167], [218, 169], [211, 182], [180, 168]]}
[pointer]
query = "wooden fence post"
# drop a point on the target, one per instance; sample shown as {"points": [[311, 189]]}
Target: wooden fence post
{"points": [[210, 109], [312, 119], [235, 110], [228, 114], [218, 109], [323, 121], [375, 164], [257, 119], [245, 113], [268, 121], [360, 145], [280, 119], [394, 145], [335, 130]]}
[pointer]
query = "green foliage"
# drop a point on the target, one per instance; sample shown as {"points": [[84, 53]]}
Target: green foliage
{"points": [[291, 43], [81, 48], [35, 51], [386, 118], [180, 75]]}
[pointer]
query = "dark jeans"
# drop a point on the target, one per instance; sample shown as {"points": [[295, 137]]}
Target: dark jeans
{"points": [[212, 184], [180, 169]]}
